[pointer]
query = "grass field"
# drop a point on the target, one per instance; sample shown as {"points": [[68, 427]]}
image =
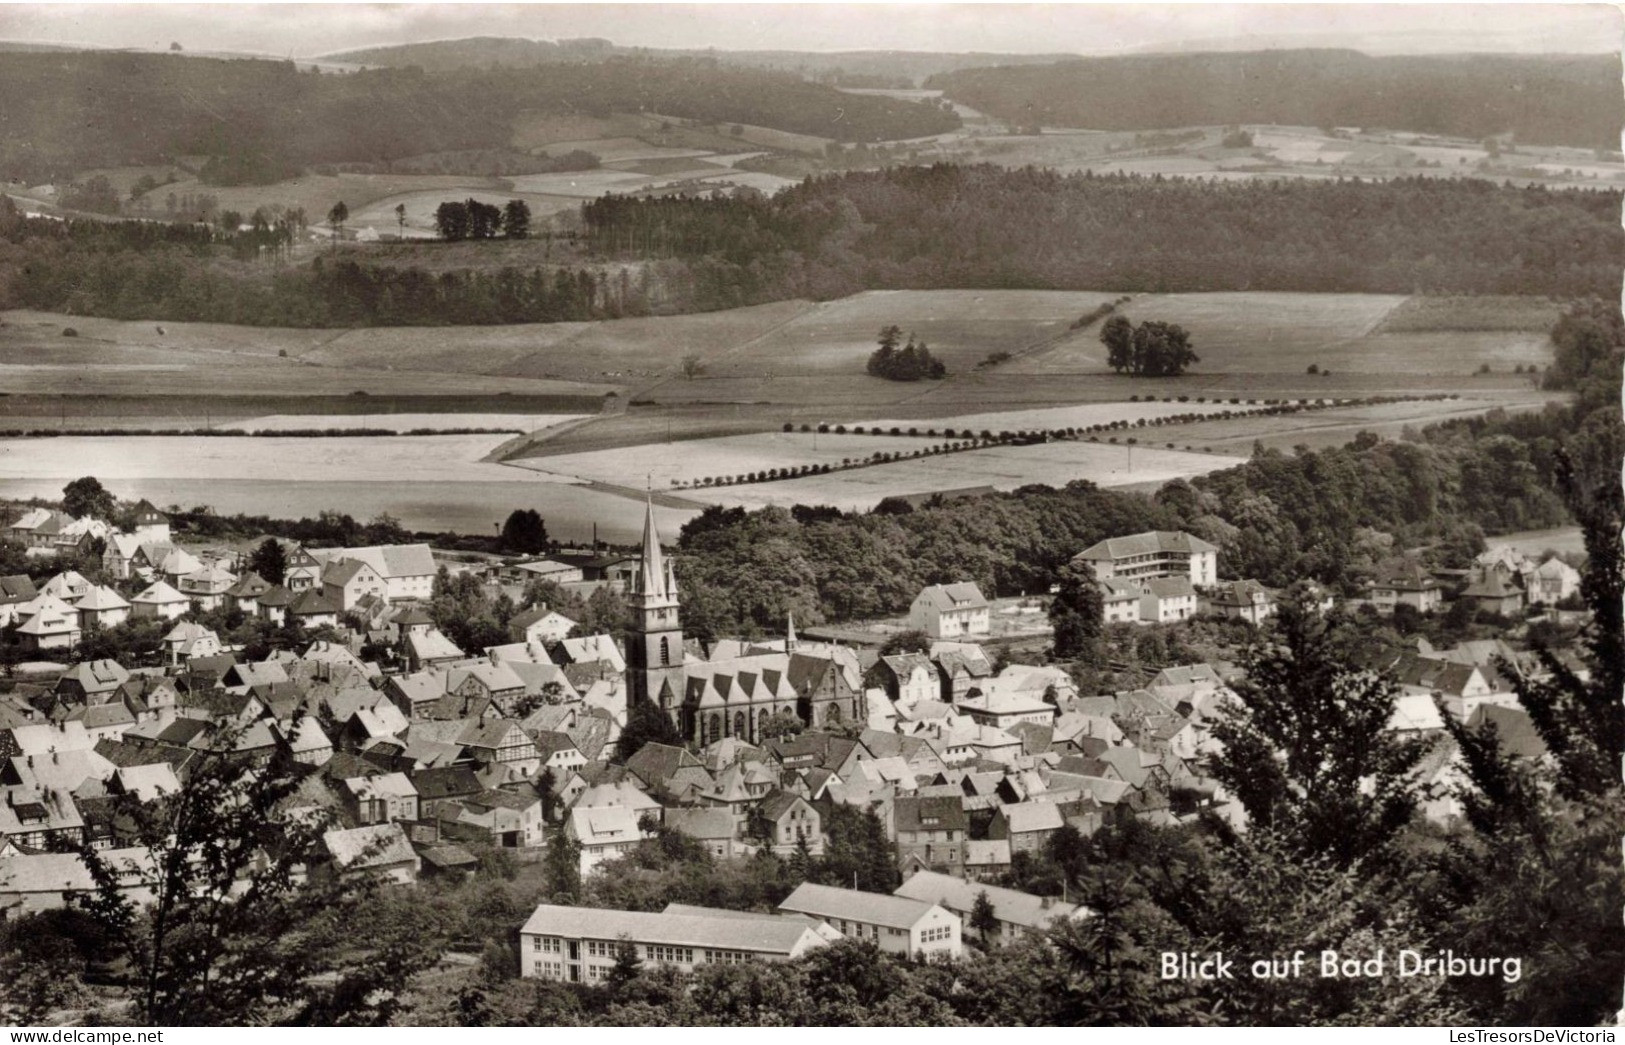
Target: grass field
{"points": [[1430, 314], [1005, 467], [403, 422], [420, 206]]}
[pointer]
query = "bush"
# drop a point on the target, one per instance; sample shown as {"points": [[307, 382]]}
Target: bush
{"points": [[69, 332], [1314, 368]]}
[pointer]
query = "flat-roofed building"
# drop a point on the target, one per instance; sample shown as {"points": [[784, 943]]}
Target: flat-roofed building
{"points": [[1142, 556], [579, 944]]}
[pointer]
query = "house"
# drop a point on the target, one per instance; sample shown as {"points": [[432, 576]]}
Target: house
{"points": [[53, 625], [381, 849], [907, 678], [540, 624], [961, 666], [92, 682], [102, 607], [1243, 600], [427, 647], [407, 570], [603, 833], [1027, 825], [302, 571], [986, 859], [506, 819], [1166, 599], [244, 595], [787, 821], [931, 831], [1492, 591], [554, 570], [160, 600], [175, 564], [1552, 582], [70, 586], [715, 829], [16, 590], [347, 581], [207, 587], [150, 523], [380, 799], [558, 752], [502, 741], [272, 605], [34, 882], [1144, 556], [1120, 601], [950, 611], [895, 924], [1003, 704], [1018, 913], [1406, 584], [313, 609], [187, 640], [580, 944]]}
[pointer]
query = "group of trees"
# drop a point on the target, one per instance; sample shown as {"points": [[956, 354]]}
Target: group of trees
{"points": [[1152, 349], [912, 362], [472, 219]]}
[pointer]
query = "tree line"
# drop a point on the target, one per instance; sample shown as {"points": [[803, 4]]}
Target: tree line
{"points": [[912, 362], [1544, 99], [472, 219], [259, 121], [1152, 349]]}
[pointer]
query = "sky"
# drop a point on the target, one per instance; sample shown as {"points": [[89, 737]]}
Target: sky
{"points": [[308, 30]]}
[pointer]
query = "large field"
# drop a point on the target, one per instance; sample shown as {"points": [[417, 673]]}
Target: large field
{"points": [[1004, 467]]}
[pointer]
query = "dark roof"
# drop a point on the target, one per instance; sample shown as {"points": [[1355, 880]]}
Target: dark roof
{"points": [[654, 764], [311, 601], [777, 803], [250, 585], [550, 741], [910, 814], [446, 782], [276, 595], [18, 587]]}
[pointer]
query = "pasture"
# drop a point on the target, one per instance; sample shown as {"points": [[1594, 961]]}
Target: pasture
{"points": [[405, 422], [1003, 467]]}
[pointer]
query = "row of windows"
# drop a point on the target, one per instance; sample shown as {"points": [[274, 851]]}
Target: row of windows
{"points": [[550, 944], [934, 935], [553, 970], [727, 957], [660, 953], [600, 949]]}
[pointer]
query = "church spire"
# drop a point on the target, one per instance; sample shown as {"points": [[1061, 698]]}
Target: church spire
{"points": [[790, 632], [652, 572]]}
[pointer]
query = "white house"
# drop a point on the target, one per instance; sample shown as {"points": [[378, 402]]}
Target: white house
{"points": [[947, 611], [1551, 582], [160, 600], [407, 569], [603, 832], [1167, 599]]}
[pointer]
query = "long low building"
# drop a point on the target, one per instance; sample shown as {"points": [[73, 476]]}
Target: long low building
{"points": [[1016, 912], [579, 944], [892, 923]]}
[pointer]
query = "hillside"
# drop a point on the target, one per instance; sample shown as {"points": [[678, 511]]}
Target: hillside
{"points": [[848, 68], [1550, 99], [68, 113]]}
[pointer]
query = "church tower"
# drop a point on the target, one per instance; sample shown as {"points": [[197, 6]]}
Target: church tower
{"points": [[654, 654]]}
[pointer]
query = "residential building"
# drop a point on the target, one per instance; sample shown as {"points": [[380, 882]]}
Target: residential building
{"points": [[1492, 591], [1027, 825], [950, 611], [1144, 556], [380, 799], [895, 924], [380, 849], [603, 832], [580, 944], [160, 599], [1406, 584], [347, 581], [207, 587], [102, 607], [1120, 601], [1243, 600], [787, 821], [931, 831], [1164, 600], [53, 625], [540, 624], [407, 570], [1551, 582]]}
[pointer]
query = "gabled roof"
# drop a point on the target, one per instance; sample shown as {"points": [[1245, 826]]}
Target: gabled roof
{"points": [[1009, 905], [655, 763], [1032, 816], [378, 845], [913, 814], [311, 602], [101, 599], [160, 593], [1169, 587], [1152, 543], [387, 560], [694, 928], [712, 823], [17, 587], [249, 586], [946, 597], [826, 901]]}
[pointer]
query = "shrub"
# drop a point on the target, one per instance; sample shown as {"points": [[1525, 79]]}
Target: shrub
{"points": [[1314, 368], [788, 427], [69, 332]]}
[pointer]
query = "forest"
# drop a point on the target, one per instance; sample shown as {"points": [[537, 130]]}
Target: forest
{"points": [[65, 113], [902, 228], [1538, 100]]}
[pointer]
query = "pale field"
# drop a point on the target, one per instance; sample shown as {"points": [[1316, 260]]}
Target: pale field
{"points": [[1005, 468], [402, 422], [622, 150], [587, 184], [1566, 540], [318, 192], [1064, 416], [768, 183], [446, 459], [561, 133], [420, 206], [693, 459]]}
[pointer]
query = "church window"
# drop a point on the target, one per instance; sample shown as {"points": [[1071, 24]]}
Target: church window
{"points": [[665, 650]]}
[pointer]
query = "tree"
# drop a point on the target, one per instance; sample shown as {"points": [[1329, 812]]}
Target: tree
{"points": [[337, 215], [270, 561], [1307, 750], [451, 220], [627, 965], [692, 365], [524, 531], [1077, 613], [1117, 334], [87, 497], [983, 919], [237, 932], [911, 641], [781, 724], [516, 219], [561, 868], [645, 724], [400, 217]]}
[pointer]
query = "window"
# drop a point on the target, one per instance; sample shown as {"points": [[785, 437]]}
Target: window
{"points": [[665, 650], [600, 949], [660, 953], [936, 935]]}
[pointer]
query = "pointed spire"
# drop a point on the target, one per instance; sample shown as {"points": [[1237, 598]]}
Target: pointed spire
{"points": [[652, 572], [790, 631]]}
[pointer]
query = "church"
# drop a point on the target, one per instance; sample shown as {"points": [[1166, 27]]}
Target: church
{"points": [[736, 688]]}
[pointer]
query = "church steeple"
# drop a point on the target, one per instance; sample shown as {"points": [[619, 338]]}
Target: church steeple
{"points": [[789, 632], [652, 571], [654, 653]]}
